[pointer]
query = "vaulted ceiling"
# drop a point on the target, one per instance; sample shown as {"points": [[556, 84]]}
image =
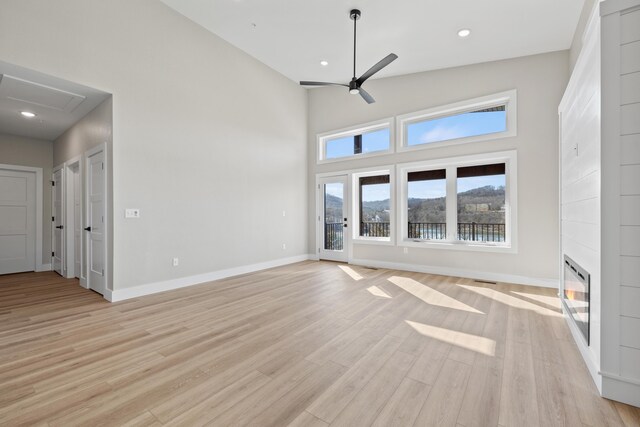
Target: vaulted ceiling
{"points": [[293, 36]]}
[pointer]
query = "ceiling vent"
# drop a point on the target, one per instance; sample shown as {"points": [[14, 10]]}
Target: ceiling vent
{"points": [[15, 89]]}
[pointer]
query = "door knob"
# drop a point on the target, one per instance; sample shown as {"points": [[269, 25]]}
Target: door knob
{"points": [[60, 227], [88, 228]]}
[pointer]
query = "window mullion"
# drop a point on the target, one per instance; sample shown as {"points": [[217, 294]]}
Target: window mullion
{"points": [[452, 204]]}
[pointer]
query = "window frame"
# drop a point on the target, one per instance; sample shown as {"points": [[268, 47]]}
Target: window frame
{"points": [[322, 139], [451, 164], [355, 203], [507, 98]]}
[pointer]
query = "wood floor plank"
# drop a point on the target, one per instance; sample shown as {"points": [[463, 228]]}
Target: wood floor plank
{"points": [[308, 344], [403, 406], [445, 399], [337, 397], [365, 406]]}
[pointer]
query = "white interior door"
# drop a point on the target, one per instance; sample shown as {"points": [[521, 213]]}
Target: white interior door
{"points": [[333, 218], [96, 205], [57, 217], [17, 221]]}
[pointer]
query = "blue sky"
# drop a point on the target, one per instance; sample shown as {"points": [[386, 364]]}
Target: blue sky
{"points": [[371, 193], [459, 126], [371, 141], [334, 189]]}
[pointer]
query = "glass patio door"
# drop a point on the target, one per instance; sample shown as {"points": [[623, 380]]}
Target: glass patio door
{"points": [[333, 221]]}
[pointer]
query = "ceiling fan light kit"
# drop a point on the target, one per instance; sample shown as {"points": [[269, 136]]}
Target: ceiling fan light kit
{"points": [[355, 85]]}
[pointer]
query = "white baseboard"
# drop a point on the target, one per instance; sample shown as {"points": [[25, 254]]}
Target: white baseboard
{"points": [[622, 389], [43, 267], [83, 282], [182, 282], [458, 272]]}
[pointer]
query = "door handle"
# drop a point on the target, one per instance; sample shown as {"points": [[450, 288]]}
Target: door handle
{"points": [[60, 227], [88, 228]]}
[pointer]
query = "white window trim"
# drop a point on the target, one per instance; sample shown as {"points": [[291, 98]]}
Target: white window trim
{"points": [[356, 238], [355, 130], [450, 164], [508, 98]]}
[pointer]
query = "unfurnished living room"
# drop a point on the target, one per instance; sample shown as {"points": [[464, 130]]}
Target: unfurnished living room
{"points": [[320, 213]]}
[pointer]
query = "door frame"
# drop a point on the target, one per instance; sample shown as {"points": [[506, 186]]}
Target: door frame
{"points": [[68, 201], [39, 266], [319, 218], [63, 259], [107, 230]]}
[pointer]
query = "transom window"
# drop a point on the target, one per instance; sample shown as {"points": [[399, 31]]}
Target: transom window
{"points": [[362, 141], [469, 121]]}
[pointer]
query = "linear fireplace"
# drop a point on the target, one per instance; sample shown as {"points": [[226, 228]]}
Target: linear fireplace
{"points": [[575, 296]]}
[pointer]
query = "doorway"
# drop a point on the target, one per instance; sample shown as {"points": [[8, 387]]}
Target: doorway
{"points": [[73, 230], [20, 219], [333, 228]]}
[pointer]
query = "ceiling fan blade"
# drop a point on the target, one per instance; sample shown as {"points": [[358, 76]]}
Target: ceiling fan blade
{"points": [[365, 95], [379, 66], [304, 83]]}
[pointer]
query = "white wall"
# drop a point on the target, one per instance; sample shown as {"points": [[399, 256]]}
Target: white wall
{"points": [[208, 143], [581, 196], [37, 153], [629, 167], [577, 42], [92, 130], [540, 81], [621, 200]]}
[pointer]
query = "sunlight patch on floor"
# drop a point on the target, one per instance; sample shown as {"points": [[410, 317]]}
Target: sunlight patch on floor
{"points": [[429, 295], [516, 302], [351, 272], [376, 291], [460, 339]]}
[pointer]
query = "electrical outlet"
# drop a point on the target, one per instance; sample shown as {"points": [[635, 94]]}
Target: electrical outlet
{"points": [[132, 213], [284, 246], [406, 250], [284, 213], [176, 261]]}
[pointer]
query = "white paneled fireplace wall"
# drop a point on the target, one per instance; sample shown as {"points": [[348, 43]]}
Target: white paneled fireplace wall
{"points": [[600, 194]]}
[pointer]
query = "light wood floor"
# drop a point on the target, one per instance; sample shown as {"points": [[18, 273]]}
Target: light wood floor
{"points": [[311, 344]]}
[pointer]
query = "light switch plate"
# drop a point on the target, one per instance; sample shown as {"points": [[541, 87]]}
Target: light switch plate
{"points": [[132, 213]]}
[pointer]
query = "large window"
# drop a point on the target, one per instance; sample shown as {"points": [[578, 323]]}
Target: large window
{"points": [[361, 141], [482, 203], [426, 204], [469, 121], [373, 206], [467, 202]]}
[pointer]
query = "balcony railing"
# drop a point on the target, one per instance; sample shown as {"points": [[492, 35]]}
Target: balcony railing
{"points": [[333, 236], [476, 232], [467, 231], [427, 230], [375, 229]]}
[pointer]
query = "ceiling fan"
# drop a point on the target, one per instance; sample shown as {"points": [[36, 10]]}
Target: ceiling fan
{"points": [[355, 85]]}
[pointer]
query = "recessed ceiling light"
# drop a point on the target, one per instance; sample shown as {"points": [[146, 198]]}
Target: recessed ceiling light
{"points": [[464, 32], [28, 114], [324, 63]]}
